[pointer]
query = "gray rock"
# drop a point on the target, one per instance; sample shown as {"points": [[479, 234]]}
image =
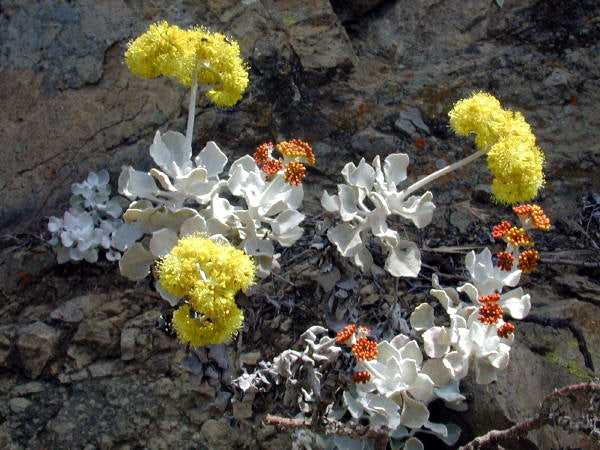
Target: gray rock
{"points": [[37, 344], [75, 310], [102, 336], [19, 404]]}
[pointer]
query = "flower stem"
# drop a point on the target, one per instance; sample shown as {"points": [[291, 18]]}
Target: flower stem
{"points": [[189, 132], [443, 171]]}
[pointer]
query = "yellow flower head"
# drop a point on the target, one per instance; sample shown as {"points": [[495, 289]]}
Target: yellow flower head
{"points": [[514, 158], [208, 274], [182, 54]]}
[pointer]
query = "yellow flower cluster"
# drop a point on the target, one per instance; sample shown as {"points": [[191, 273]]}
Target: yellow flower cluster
{"points": [[208, 274], [182, 54], [514, 158]]}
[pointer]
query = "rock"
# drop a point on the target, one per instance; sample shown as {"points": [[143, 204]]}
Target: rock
{"points": [[218, 434], [7, 335], [369, 142], [37, 344], [75, 310], [250, 358], [242, 410], [19, 404], [81, 355], [102, 336], [32, 387]]}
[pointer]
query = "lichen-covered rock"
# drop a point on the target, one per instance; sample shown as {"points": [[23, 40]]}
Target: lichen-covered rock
{"points": [[37, 344]]}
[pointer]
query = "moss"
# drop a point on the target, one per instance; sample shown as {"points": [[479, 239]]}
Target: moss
{"points": [[570, 366]]}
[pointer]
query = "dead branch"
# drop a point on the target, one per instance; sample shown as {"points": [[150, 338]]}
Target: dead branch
{"points": [[544, 417]]}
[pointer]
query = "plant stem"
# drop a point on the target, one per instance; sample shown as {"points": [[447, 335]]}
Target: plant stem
{"points": [[189, 132], [443, 171]]}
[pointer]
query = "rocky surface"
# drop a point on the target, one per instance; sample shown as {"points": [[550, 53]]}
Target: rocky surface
{"points": [[83, 364]]}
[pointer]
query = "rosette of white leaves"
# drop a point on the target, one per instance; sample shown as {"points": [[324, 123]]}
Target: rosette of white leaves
{"points": [[160, 209], [180, 177], [92, 222], [400, 389], [271, 211], [468, 342], [378, 185]]}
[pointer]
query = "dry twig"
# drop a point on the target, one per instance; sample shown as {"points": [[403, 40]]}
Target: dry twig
{"points": [[544, 417]]}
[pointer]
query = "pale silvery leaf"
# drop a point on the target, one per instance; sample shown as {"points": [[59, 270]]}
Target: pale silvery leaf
{"points": [[349, 198], [384, 406], [362, 176], [135, 263], [436, 371], [458, 364], [331, 203], [262, 252], [436, 342], [422, 387], [172, 153], [134, 184], [414, 413], [413, 444], [212, 159], [417, 209], [162, 242], [516, 303], [173, 300], [286, 221], [422, 317], [346, 238], [154, 218], [404, 260], [54, 224], [126, 235], [394, 168], [354, 406], [113, 208], [363, 258], [195, 224], [411, 351], [486, 276]]}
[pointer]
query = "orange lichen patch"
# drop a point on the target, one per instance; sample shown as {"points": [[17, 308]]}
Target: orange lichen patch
{"points": [[501, 229], [365, 349], [361, 377], [272, 166], [345, 334], [491, 313], [518, 237], [295, 148], [294, 173], [263, 153], [529, 260], [489, 298], [505, 330], [420, 143], [505, 261]]}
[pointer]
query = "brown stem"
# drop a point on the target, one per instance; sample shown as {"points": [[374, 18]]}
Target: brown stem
{"points": [[541, 419]]}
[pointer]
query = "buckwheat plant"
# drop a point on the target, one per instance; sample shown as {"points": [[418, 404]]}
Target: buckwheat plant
{"points": [[92, 222], [370, 193], [182, 196]]}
